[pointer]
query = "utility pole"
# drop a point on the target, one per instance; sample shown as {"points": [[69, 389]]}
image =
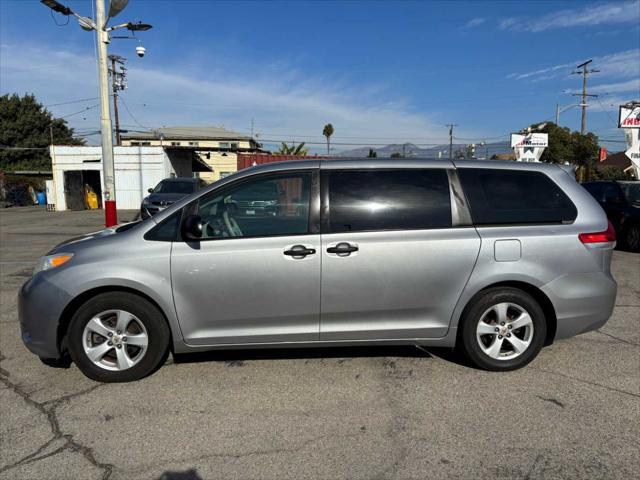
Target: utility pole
{"points": [[585, 72], [118, 82], [584, 174], [451, 125], [102, 36]]}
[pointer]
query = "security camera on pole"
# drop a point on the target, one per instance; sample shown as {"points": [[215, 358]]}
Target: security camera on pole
{"points": [[103, 39], [629, 121]]}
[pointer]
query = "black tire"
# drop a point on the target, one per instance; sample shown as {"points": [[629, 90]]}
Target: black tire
{"points": [[148, 314], [632, 238], [468, 341]]}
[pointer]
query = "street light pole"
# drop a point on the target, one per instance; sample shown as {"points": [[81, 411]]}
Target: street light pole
{"points": [[102, 36]]}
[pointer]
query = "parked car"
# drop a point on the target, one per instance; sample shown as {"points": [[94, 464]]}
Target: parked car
{"points": [[621, 201], [496, 259], [167, 192]]}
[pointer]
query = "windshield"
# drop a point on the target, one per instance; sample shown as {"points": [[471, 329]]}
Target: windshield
{"points": [[631, 192], [174, 187]]}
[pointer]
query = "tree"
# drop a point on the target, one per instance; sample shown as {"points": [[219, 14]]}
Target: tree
{"points": [[327, 131], [298, 151], [372, 153], [27, 128], [567, 146], [609, 173], [396, 155]]}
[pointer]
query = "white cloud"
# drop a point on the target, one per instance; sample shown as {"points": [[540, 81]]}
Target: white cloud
{"points": [[631, 86], [608, 13], [282, 102], [615, 65], [474, 22]]}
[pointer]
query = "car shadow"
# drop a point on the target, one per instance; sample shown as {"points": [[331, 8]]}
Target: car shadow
{"points": [[191, 474], [409, 351]]}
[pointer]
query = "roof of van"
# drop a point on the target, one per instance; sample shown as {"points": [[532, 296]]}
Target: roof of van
{"points": [[366, 162]]}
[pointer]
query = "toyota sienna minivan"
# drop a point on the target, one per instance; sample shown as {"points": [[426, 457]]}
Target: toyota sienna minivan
{"points": [[496, 259]]}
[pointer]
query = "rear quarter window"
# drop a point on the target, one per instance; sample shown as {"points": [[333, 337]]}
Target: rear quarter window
{"points": [[499, 197]]}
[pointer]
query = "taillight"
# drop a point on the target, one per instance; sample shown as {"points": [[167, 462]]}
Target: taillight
{"points": [[609, 235]]}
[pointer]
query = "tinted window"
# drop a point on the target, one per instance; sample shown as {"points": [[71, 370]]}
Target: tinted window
{"points": [[267, 206], [594, 189], [509, 196], [388, 200], [167, 231], [175, 187], [631, 192]]}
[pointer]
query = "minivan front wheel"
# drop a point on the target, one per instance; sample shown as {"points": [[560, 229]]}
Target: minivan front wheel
{"points": [[503, 329], [118, 337]]}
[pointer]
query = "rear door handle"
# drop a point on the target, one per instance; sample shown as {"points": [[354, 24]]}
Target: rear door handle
{"points": [[343, 249], [299, 251]]}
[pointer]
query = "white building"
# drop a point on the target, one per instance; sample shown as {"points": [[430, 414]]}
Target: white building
{"points": [[136, 170]]}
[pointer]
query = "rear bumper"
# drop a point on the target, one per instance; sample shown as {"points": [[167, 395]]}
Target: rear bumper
{"points": [[40, 306], [583, 302]]}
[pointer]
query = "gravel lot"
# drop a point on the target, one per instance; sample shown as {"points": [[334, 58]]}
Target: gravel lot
{"points": [[331, 413]]}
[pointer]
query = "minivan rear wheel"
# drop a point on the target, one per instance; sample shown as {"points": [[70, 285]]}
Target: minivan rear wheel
{"points": [[502, 329], [118, 337]]}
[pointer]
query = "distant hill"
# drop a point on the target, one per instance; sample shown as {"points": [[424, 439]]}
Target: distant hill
{"points": [[412, 150]]}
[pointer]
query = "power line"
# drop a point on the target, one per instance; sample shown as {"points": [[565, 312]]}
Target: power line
{"points": [[131, 114], [71, 101], [80, 111]]}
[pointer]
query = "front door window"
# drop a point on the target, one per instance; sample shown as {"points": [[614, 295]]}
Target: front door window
{"points": [[275, 205]]}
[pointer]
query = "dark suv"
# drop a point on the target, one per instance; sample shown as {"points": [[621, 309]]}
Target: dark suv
{"points": [[167, 192], [621, 201]]}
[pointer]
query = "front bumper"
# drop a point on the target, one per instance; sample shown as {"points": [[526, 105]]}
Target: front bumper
{"points": [[583, 302], [40, 307]]}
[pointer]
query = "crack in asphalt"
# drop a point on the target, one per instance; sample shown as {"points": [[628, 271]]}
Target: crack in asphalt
{"points": [[618, 338], [48, 409], [251, 453], [586, 382], [399, 414]]}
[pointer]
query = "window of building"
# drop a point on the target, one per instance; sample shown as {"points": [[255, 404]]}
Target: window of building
{"points": [[176, 144], [364, 200], [499, 197], [140, 144], [194, 144], [223, 145], [268, 206], [233, 146]]}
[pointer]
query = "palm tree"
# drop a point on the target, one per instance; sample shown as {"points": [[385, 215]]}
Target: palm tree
{"points": [[298, 151], [327, 131]]}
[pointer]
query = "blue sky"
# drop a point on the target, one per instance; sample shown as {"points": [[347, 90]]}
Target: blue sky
{"points": [[380, 72]]}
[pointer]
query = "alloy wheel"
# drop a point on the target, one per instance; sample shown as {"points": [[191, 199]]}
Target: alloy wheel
{"points": [[115, 340], [505, 331]]}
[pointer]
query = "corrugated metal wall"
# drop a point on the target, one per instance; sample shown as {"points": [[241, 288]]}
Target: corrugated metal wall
{"points": [[246, 160]]}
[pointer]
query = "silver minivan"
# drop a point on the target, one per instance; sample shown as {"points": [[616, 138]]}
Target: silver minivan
{"points": [[496, 259]]}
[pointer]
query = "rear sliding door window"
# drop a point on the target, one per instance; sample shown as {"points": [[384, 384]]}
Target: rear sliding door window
{"points": [[365, 200], [499, 197]]}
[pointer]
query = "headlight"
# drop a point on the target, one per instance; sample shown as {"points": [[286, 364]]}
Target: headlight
{"points": [[51, 261]]}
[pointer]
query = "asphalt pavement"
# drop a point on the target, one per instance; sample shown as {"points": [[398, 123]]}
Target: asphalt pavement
{"points": [[366, 413]]}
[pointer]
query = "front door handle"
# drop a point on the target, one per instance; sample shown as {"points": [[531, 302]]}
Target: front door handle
{"points": [[299, 251], [343, 249]]}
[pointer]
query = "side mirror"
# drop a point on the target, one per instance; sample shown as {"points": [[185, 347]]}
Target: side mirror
{"points": [[150, 190], [191, 228]]}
